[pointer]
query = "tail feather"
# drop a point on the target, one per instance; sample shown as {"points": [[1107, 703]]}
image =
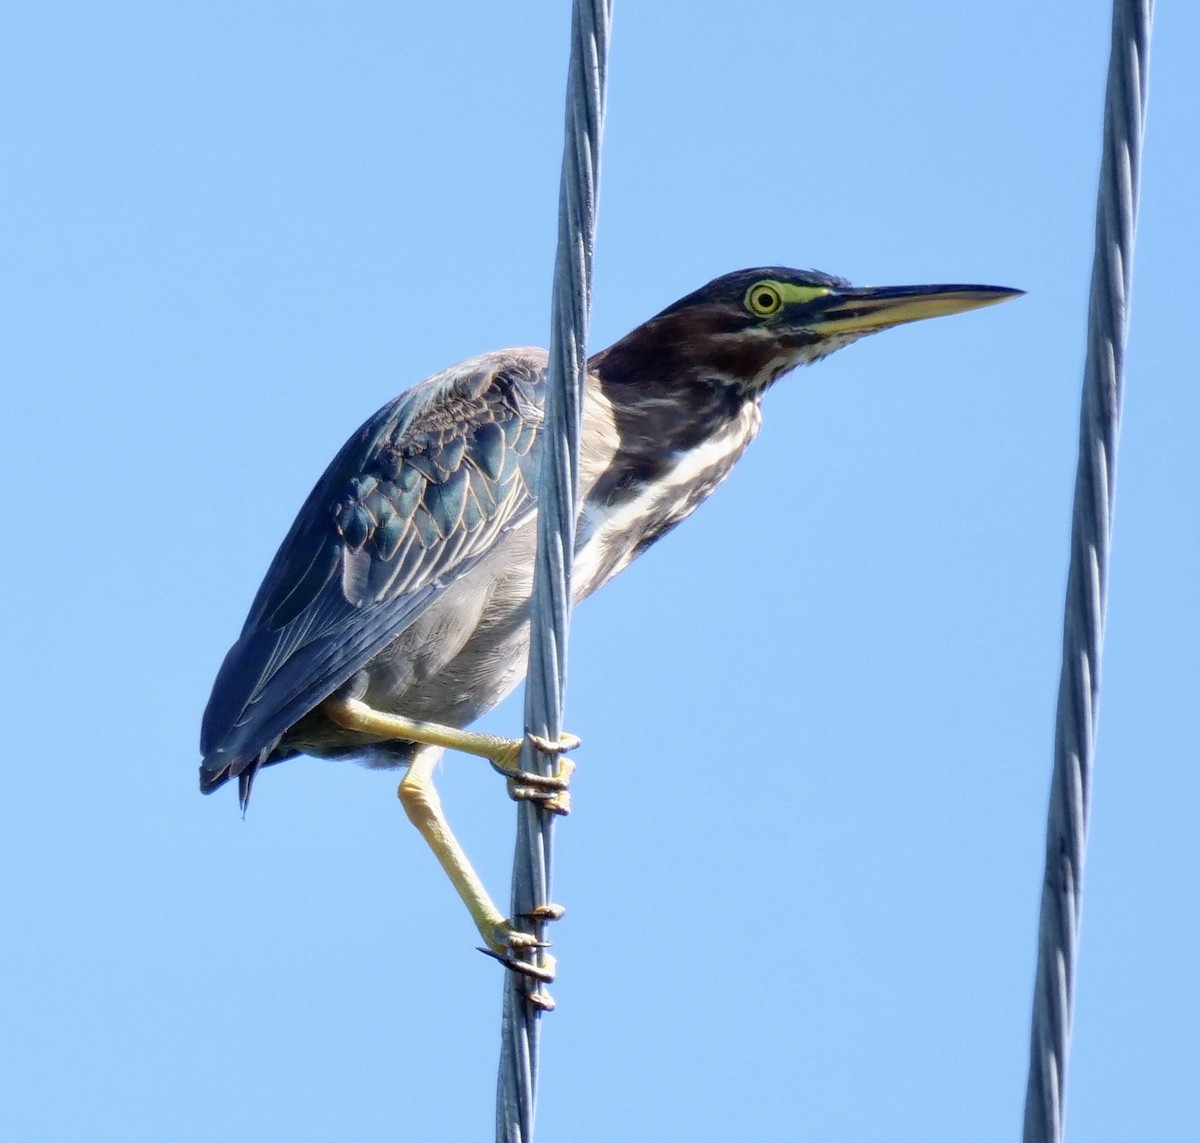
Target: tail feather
{"points": [[216, 771]]}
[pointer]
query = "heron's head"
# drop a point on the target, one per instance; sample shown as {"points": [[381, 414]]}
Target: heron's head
{"points": [[750, 327]]}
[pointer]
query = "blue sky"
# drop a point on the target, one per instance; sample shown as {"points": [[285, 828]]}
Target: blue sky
{"points": [[803, 870]]}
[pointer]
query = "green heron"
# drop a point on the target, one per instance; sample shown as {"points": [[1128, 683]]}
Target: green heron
{"points": [[396, 610]]}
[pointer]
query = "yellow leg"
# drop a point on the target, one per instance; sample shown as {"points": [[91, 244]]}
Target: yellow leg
{"points": [[424, 808], [503, 753]]}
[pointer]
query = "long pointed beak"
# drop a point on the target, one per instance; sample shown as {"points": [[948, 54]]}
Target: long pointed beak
{"points": [[869, 308]]}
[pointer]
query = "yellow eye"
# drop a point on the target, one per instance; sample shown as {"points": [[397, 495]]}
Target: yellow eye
{"points": [[764, 299]]}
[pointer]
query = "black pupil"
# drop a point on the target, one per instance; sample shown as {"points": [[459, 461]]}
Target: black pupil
{"points": [[766, 301]]}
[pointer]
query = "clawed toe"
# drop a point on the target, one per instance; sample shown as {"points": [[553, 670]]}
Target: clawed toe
{"points": [[553, 801], [565, 742], [515, 949], [547, 790], [544, 972], [505, 757]]}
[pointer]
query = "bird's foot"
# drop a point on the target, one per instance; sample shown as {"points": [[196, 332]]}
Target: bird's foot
{"points": [[548, 790], [510, 946]]}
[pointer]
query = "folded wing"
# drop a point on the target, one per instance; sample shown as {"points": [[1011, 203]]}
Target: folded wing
{"points": [[412, 501]]}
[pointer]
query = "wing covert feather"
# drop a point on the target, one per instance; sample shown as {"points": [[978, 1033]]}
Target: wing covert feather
{"points": [[412, 501]]}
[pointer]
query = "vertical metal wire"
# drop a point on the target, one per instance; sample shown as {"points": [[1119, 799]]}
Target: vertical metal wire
{"points": [[1087, 580], [516, 1090]]}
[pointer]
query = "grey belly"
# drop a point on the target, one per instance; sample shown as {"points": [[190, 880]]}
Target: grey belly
{"points": [[468, 650], [464, 654]]}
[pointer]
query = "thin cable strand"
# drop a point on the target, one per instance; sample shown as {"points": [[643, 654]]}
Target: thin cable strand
{"points": [[1087, 579], [516, 1089]]}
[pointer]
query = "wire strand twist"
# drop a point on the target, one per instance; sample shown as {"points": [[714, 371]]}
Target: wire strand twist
{"points": [[550, 611], [1087, 578]]}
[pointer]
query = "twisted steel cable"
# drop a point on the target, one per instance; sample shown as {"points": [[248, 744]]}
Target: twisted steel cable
{"points": [[524, 1000], [1087, 579]]}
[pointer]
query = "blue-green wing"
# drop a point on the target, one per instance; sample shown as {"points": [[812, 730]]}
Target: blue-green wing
{"points": [[418, 495]]}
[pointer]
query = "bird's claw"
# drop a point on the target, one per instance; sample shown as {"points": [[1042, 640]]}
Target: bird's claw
{"points": [[552, 801], [510, 945], [548, 790], [543, 972], [541, 1000], [506, 938], [506, 758], [565, 742]]}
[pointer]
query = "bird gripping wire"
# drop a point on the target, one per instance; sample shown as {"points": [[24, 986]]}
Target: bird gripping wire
{"points": [[516, 1092]]}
